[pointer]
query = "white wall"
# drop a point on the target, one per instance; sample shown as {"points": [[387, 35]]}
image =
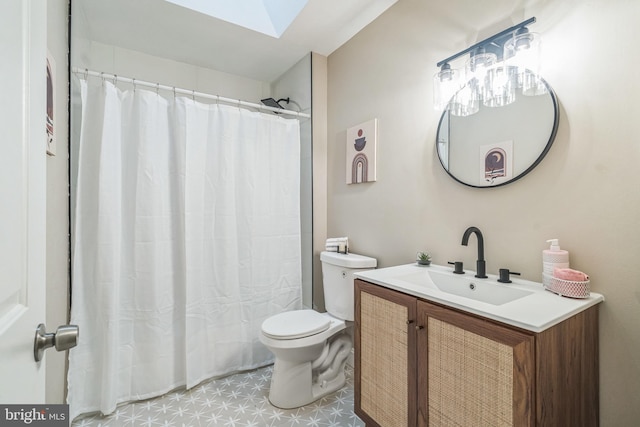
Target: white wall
{"points": [[128, 63], [586, 191], [57, 204], [90, 54]]}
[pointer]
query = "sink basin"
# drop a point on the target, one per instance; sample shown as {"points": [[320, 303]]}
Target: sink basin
{"points": [[523, 303], [484, 290]]}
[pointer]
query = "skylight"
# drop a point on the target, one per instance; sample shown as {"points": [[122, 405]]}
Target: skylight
{"points": [[270, 17]]}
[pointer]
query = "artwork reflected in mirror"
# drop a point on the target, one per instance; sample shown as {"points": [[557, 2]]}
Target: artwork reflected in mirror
{"points": [[51, 97], [496, 162]]}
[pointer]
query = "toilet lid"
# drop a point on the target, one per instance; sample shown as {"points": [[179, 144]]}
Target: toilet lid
{"points": [[295, 324]]}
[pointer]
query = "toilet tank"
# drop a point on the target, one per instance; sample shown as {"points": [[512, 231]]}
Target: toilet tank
{"points": [[337, 281]]}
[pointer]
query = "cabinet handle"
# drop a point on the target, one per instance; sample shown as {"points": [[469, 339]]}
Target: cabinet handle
{"points": [[419, 327], [409, 321]]}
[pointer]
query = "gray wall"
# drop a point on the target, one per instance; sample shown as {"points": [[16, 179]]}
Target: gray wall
{"points": [[585, 192], [319, 131], [295, 84]]}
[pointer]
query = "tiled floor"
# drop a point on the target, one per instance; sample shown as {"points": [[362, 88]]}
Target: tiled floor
{"points": [[236, 401]]}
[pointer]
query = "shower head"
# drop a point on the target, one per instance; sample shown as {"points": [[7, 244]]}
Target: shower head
{"points": [[270, 102]]}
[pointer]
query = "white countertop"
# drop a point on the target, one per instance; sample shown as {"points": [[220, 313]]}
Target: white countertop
{"points": [[535, 312]]}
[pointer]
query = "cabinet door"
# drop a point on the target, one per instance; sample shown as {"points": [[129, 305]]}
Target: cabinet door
{"points": [[385, 383], [472, 372]]}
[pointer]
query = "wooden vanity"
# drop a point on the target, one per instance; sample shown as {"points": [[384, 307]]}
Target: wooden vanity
{"points": [[423, 363]]}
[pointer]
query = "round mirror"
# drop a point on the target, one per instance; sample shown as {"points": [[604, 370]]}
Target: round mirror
{"points": [[498, 145]]}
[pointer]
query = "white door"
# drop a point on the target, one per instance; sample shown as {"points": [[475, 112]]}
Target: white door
{"points": [[22, 197]]}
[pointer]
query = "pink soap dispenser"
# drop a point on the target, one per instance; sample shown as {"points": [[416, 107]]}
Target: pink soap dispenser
{"points": [[552, 258]]}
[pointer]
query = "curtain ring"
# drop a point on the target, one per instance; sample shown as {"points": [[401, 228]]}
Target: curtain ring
{"points": [[134, 85], [115, 79], [174, 92], [86, 73], [217, 99], [157, 88], [102, 77], [193, 95]]}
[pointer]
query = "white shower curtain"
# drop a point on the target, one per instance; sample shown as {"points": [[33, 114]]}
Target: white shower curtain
{"points": [[186, 236]]}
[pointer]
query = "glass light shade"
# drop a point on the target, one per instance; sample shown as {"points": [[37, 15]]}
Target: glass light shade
{"points": [[522, 51], [532, 84], [500, 86], [446, 83], [476, 71], [464, 102]]}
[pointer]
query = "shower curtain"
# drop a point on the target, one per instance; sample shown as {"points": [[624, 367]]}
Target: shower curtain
{"points": [[186, 236]]}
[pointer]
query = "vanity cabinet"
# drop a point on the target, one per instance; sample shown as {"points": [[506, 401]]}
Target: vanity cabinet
{"points": [[418, 363]]}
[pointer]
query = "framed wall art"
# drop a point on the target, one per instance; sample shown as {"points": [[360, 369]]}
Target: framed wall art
{"points": [[361, 152]]}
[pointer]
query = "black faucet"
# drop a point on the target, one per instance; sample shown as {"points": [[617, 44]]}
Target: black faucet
{"points": [[480, 263]]}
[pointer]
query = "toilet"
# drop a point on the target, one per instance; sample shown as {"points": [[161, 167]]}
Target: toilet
{"points": [[311, 348]]}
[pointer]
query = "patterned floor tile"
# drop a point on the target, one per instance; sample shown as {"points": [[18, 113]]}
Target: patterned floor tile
{"points": [[239, 400]]}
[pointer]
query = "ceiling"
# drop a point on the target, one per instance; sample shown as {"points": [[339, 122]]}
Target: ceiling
{"points": [[161, 28]]}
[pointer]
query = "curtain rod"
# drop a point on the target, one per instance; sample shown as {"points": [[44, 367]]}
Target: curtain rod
{"points": [[192, 93]]}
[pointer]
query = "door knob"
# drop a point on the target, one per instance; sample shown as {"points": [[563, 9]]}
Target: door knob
{"points": [[65, 337]]}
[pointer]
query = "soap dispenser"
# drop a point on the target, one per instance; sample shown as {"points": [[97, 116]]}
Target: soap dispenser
{"points": [[553, 258]]}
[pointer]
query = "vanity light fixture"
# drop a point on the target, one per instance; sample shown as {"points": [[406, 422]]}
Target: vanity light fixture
{"points": [[495, 68]]}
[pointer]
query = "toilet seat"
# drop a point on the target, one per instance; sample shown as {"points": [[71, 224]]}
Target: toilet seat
{"points": [[292, 325]]}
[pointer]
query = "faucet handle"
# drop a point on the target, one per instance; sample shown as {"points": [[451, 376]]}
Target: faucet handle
{"points": [[504, 275], [457, 267]]}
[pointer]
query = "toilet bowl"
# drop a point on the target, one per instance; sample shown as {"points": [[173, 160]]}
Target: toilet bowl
{"points": [[311, 348]]}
